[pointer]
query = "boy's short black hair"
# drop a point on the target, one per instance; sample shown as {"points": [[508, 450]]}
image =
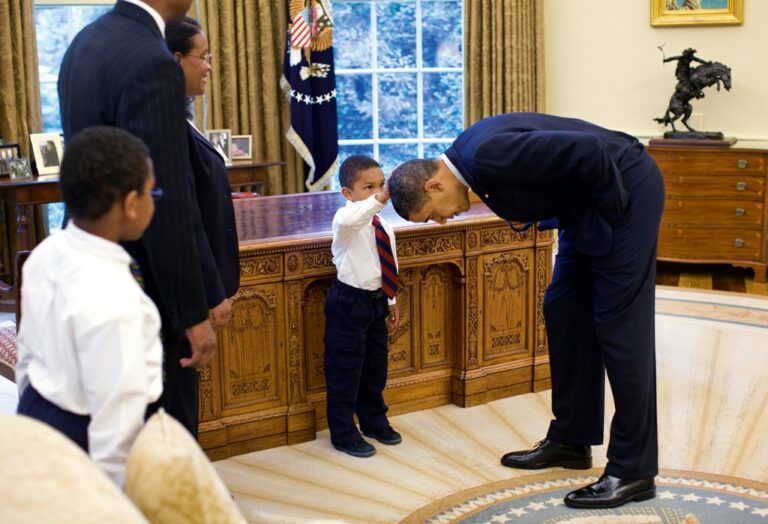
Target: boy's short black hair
{"points": [[101, 165], [351, 168]]}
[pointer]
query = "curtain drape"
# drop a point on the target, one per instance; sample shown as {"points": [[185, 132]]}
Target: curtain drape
{"points": [[20, 112], [247, 41], [504, 57]]}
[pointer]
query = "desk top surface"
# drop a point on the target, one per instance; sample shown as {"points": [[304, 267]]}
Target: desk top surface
{"points": [[308, 216]]}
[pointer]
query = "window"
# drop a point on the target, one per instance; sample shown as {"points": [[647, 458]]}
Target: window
{"points": [[56, 24], [399, 77]]}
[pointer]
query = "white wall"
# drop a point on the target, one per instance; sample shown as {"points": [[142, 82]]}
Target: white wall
{"points": [[603, 65]]}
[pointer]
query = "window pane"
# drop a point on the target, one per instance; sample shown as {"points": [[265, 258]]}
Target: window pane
{"points": [[354, 106], [443, 105], [396, 32], [441, 34], [434, 150], [398, 108], [54, 214], [352, 34], [392, 155], [49, 103], [56, 26], [354, 149]]}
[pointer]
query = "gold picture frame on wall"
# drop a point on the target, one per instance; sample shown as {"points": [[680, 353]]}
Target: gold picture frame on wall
{"points": [[666, 13]]}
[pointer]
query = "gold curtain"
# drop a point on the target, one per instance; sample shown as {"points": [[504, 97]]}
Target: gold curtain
{"points": [[504, 57], [20, 112], [247, 40]]}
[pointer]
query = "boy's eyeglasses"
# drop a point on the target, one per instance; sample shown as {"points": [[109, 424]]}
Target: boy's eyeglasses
{"points": [[156, 193]]}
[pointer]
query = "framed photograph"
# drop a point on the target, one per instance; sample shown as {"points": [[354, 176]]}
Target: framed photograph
{"points": [[666, 13], [7, 153], [48, 149], [20, 168], [240, 147], [220, 140]]}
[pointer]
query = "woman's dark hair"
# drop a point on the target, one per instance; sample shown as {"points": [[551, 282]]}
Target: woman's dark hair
{"points": [[101, 165], [179, 36]]}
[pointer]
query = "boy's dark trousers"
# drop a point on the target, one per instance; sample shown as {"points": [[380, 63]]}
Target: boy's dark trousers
{"points": [[355, 361]]}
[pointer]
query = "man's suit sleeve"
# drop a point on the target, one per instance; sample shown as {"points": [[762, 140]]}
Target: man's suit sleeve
{"points": [[151, 106]]}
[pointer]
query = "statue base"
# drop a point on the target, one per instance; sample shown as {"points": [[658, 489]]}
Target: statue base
{"points": [[693, 139], [694, 135]]}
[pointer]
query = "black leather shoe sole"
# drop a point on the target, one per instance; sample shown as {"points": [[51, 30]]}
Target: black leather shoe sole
{"points": [[383, 440], [357, 451], [567, 464], [611, 503]]}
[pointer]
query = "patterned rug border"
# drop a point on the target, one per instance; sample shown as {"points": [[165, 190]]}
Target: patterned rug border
{"points": [[740, 486]]}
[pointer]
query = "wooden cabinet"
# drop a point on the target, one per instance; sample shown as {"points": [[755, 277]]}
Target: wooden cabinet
{"points": [[715, 208], [471, 320]]}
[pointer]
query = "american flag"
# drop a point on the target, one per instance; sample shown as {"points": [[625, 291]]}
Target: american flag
{"points": [[300, 34]]}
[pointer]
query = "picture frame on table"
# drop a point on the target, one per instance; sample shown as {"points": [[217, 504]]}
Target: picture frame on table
{"points": [[7, 153], [240, 147], [48, 149], [667, 13], [20, 168], [220, 139]]}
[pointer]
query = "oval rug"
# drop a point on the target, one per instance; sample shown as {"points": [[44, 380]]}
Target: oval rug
{"points": [[681, 497]]}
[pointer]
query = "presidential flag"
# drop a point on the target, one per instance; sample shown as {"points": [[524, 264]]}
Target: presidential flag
{"points": [[310, 84]]}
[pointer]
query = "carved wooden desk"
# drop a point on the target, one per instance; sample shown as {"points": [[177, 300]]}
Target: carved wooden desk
{"points": [[471, 328]]}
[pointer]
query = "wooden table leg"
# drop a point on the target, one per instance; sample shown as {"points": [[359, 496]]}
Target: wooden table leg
{"points": [[22, 230]]}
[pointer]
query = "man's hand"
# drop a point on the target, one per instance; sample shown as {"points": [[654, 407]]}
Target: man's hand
{"points": [[203, 341], [222, 314], [394, 316]]}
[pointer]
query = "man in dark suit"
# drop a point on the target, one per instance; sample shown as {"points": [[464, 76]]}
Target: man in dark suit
{"points": [[118, 72], [607, 194]]}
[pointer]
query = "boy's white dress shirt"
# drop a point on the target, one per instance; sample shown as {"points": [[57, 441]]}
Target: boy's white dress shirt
{"points": [[354, 244], [89, 341]]}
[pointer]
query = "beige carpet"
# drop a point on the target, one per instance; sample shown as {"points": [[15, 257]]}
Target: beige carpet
{"points": [[712, 352]]}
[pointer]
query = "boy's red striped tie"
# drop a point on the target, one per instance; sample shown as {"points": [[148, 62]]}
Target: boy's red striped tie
{"points": [[389, 280]]}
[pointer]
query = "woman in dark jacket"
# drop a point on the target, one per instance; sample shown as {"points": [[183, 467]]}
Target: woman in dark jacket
{"points": [[189, 45]]}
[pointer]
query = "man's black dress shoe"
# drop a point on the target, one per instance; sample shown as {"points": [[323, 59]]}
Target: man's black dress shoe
{"points": [[548, 454], [610, 492]]}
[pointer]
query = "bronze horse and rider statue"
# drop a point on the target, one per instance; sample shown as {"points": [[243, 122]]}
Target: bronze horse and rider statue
{"points": [[691, 82]]}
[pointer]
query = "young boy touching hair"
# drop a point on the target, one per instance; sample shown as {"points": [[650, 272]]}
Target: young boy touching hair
{"points": [[356, 309], [89, 349]]}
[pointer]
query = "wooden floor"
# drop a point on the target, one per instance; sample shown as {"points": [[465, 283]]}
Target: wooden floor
{"points": [[718, 277]]}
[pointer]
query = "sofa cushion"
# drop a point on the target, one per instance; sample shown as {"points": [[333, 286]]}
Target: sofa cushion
{"points": [[45, 477], [172, 481]]}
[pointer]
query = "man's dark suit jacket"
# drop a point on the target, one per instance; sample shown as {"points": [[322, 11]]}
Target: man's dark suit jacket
{"points": [[530, 167], [119, 72], [214, 198]]}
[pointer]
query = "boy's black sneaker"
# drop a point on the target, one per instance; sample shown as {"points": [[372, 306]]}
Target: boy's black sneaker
{"points": [[386, 435], [359, 448]]}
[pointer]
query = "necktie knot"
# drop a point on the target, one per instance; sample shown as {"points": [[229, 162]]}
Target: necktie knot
{"points": [[389, 279]]}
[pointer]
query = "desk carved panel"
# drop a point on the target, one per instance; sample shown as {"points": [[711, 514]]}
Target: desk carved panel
{"points": [[471, 324]]}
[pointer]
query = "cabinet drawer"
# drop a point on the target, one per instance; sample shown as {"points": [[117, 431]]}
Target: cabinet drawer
{"points": [[724, 186], [710, 244], [717, 213], [710, 162]]}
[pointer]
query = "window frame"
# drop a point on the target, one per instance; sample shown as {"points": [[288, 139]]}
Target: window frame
{"points": [[375, 71]]}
